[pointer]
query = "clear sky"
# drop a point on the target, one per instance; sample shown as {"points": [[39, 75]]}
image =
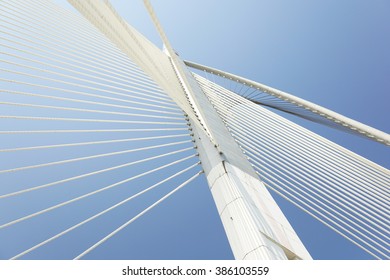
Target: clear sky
{"points": [[333, 53]]}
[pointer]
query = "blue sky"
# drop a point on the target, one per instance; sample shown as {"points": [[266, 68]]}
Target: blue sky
{"points": [[332, 53]]}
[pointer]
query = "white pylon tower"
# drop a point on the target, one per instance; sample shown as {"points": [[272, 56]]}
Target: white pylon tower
{"points": [[255, 226]]}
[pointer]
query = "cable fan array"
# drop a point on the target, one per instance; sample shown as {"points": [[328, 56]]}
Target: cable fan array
{"points": [[89, 143], [346, 192]]}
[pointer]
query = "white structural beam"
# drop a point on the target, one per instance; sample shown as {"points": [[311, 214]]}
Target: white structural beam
{"points": [[355, 126], [254, 224]]}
